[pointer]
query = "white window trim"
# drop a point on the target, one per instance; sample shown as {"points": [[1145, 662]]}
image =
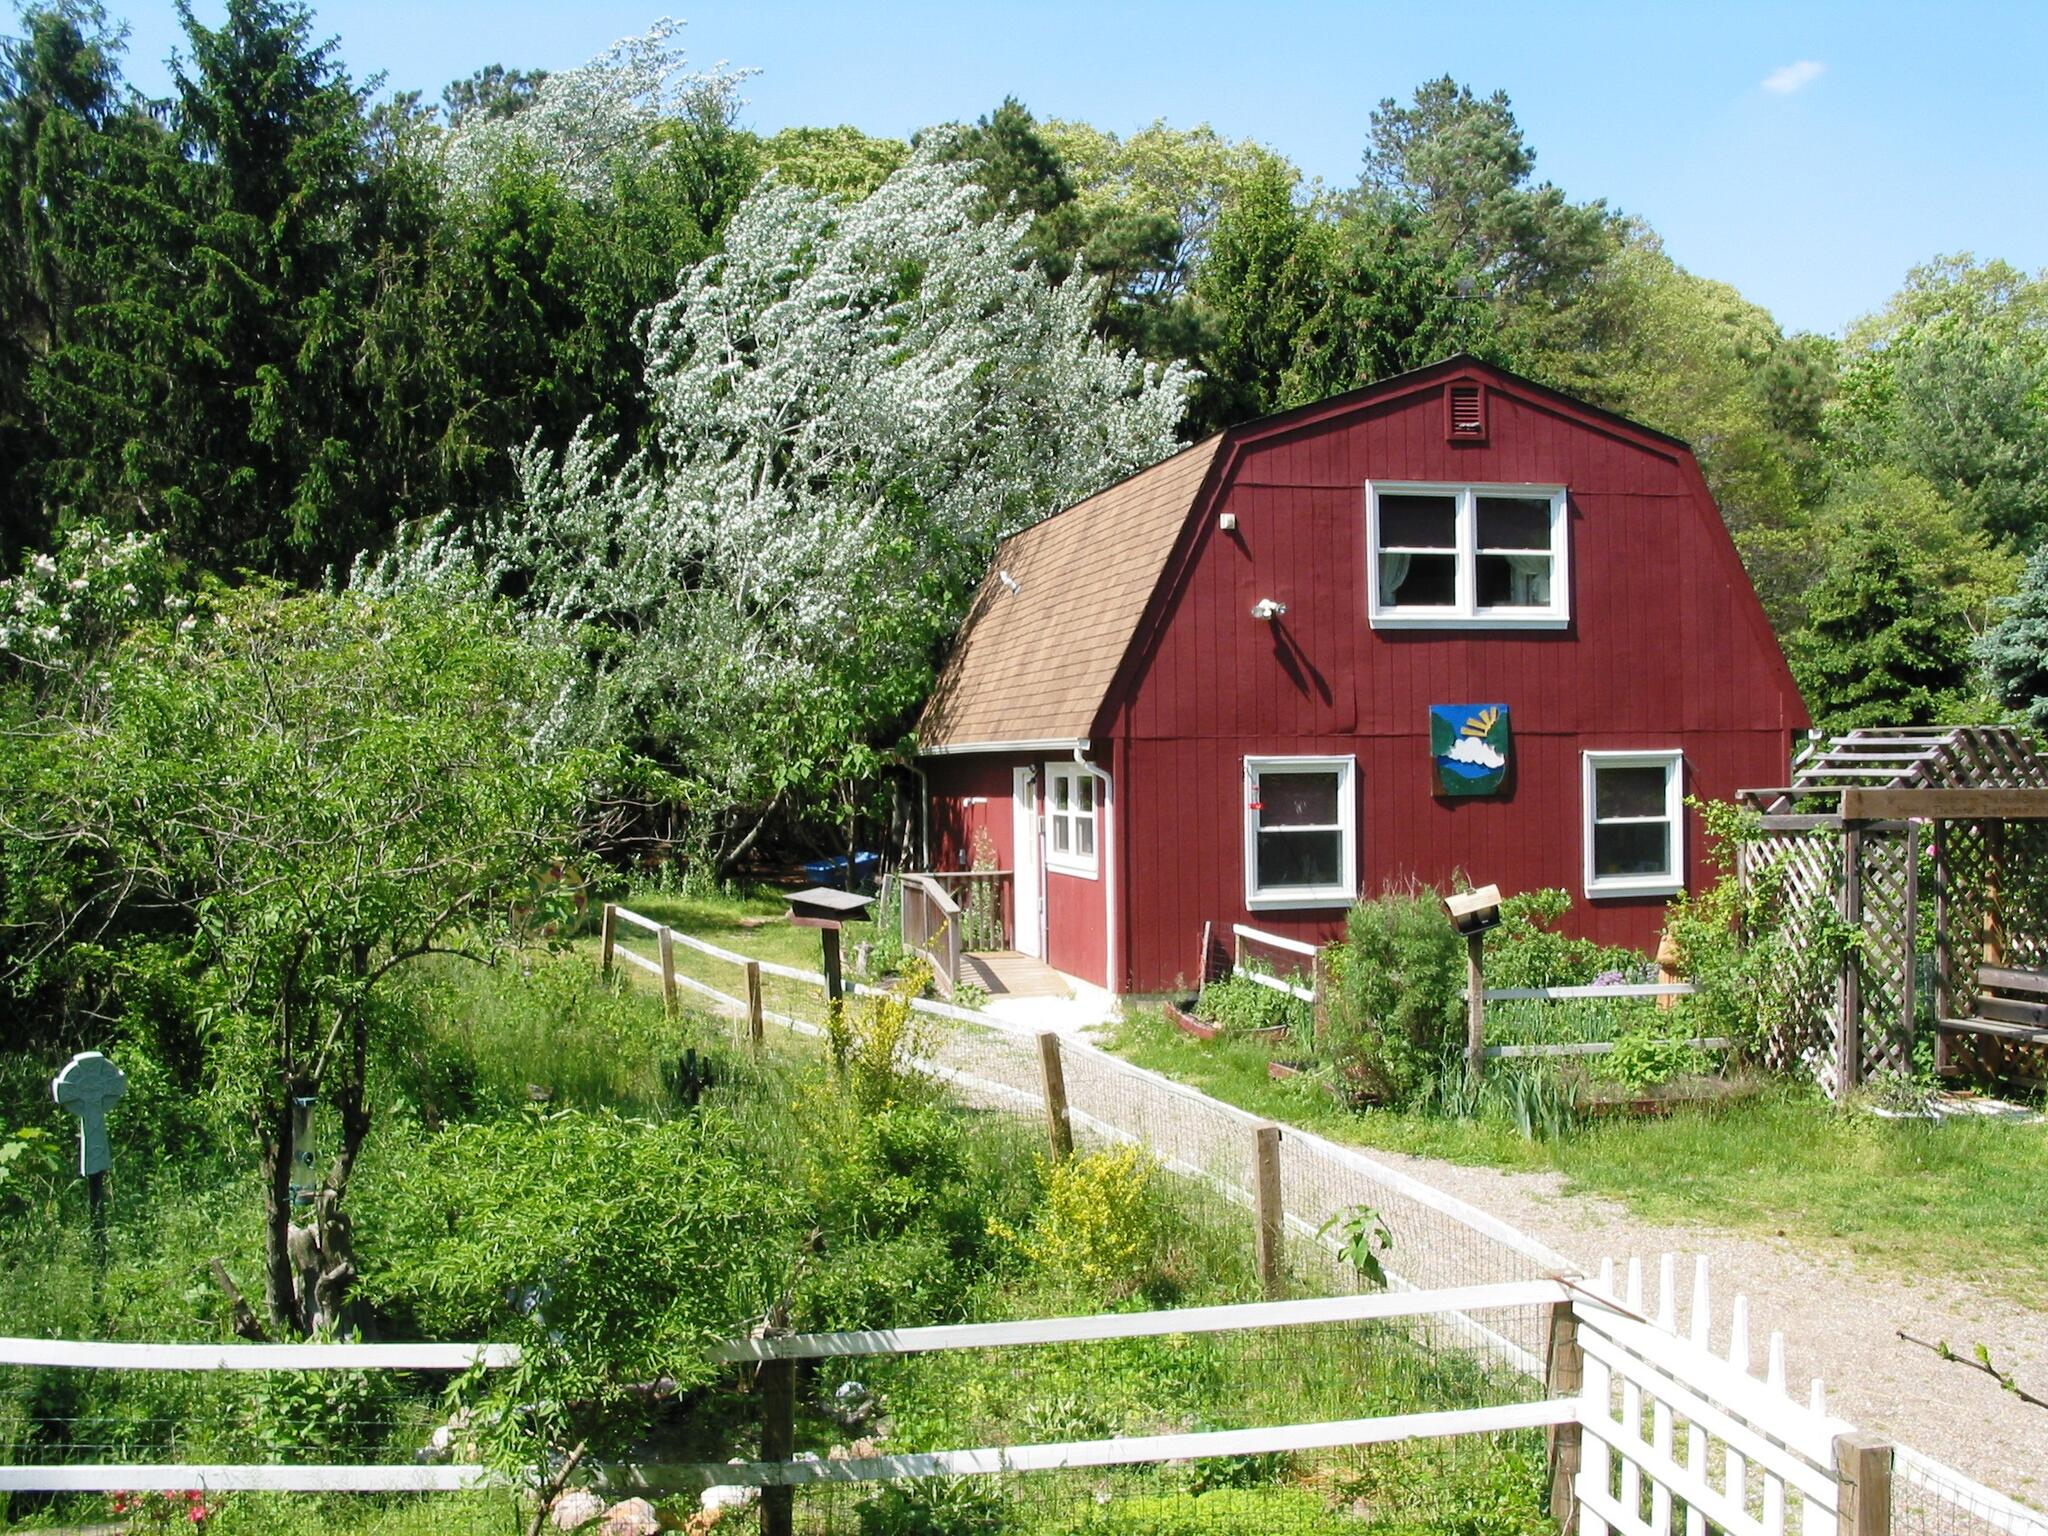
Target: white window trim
{"points": [[1672, 761], [1466, 613], [1340, 895], [1071, 863]]}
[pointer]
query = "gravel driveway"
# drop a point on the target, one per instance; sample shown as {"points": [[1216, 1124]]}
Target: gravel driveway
{"points": [[1840, 1322]]}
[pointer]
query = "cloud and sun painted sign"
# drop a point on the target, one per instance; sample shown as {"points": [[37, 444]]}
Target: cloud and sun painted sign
{"points": [[1469, 743]]}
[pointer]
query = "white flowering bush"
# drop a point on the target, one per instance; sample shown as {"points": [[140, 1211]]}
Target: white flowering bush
{"points": [[584, 124], [66, 605], [852, 404]]}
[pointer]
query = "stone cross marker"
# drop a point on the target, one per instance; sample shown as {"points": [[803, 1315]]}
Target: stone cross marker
{"points": [[86, 1087]]}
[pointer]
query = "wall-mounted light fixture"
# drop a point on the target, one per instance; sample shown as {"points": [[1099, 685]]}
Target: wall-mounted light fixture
{"points": [[1227, 521], [1267, 609]]}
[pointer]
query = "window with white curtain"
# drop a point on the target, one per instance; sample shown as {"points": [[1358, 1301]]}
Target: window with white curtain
{"points": [[1466, 556]]}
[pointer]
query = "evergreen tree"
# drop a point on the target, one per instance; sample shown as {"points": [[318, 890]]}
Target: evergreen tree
{"points": [[1883, 645], [2014, 653], [213, 395]]}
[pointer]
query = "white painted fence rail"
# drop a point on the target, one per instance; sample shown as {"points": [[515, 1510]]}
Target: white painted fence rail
{"points": [[1240, 934]]}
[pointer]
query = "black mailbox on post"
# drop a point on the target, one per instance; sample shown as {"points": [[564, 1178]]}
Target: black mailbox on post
{"points": [[826, 909]]}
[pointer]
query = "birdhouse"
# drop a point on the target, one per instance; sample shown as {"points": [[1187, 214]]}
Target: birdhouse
{"points": [[823, 907]]}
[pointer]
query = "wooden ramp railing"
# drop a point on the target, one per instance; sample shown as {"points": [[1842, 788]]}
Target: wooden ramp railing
{"points": [[931, 928]]}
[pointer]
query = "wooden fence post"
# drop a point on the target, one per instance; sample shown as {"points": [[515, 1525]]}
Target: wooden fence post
{"points": [[1319, 1016], [607, 936], [1863, 1484], [777, 1381], [1944, 949], [1059, 1128], [1909, 943], [668, 970], [756, 1031], [1475, 1005], [1849, 996], [1565, 1376], [1272, 1211]]}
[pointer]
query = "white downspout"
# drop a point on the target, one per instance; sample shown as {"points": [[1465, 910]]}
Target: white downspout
{"points": [[1107, 853]]}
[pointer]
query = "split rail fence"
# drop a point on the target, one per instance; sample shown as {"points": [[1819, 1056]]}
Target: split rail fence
{"points": [[1648, 1426]]}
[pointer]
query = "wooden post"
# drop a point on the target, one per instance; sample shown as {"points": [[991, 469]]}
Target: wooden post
{"points": [[607, 936], [1944, 947], [1565, 1376], [1319, 1017], [835, 988], [1202, 960], [1994, 884], [1849, 991], [668, 970], [1272, 1212], [1058, 1128], [1863, 1482], [1909, 946], [777, 1381], [756, 1031], [1475, 1004]]}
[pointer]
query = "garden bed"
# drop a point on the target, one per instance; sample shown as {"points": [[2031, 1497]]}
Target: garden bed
{"points": [[1188, 1022]]}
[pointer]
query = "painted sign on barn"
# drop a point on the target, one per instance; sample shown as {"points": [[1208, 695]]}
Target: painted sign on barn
{"points": [[1471, 747]]}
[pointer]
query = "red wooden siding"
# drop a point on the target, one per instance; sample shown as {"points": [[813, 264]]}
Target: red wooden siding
{"points": [[1667, 648], [973, 792]]}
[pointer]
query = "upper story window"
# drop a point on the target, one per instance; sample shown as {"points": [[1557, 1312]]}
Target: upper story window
{"points": [[1070, 819], [1466, 556]]}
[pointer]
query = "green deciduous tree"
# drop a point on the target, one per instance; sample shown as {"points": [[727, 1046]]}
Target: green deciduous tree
{"points": [[247, 822], [1884, 644]]}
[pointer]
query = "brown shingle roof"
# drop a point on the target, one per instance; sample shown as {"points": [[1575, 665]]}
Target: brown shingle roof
{"points": [[1034, 664]]}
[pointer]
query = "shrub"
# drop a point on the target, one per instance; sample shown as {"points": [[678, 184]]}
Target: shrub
{"points": [[1099, 1223], [1643, 1058], [876, 1041], [1239, 1004], [1396, 1006], [1526, 950]]}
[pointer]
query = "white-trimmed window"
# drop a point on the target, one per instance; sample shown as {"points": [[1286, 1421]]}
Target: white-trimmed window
{"points": [[1300, 832], [1635, 823], [1466, 556], [1070, 819]]}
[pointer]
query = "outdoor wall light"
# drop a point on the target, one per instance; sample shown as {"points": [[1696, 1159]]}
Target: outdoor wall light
{"points": [[1473, 912], [1267, 609]]}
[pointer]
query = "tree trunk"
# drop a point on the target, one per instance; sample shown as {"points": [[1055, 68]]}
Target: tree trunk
{"points": [[727, 860], [280, 1294]]}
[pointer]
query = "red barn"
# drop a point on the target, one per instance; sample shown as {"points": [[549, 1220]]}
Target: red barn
{"points": [[1207, 694]]}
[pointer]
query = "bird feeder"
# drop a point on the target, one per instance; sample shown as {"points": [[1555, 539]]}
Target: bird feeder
{"points": [[828, 911], [305, 1149]]}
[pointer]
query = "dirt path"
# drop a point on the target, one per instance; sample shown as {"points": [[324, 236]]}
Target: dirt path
{"points": [[1840, 1321]]}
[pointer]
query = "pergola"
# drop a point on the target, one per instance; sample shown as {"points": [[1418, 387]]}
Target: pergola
{"points": [[1929, 841]]}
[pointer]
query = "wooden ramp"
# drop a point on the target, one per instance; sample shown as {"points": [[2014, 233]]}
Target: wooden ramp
{"points": [[1010, 973]]}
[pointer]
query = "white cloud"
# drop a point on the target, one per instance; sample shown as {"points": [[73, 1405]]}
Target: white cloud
{"points": [[1470, 749], [1793, 77]]}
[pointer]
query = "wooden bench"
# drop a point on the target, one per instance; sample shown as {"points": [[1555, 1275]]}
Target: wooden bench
{"points": [[2012, 1005]]}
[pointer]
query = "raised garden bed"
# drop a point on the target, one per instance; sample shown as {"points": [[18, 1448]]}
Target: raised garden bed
{"points": [[1188, 1022], [1601, 1099]]}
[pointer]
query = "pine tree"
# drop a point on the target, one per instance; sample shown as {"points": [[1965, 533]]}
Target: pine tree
{"points": [[2014, 654]]}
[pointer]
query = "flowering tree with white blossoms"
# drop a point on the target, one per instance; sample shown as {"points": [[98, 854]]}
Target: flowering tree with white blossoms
{"points": [[853, 403], [583, 124]]}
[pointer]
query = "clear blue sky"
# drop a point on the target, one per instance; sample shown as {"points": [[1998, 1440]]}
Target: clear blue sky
{"points": [[1894, 132]]}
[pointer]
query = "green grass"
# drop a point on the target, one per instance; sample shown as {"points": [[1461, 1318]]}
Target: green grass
{"points": [[1960, 1199]]}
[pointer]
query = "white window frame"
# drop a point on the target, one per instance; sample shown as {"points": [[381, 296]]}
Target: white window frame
{"points": [[1342, 894], [1672, 761], [1067, 861], [1466, 613]]}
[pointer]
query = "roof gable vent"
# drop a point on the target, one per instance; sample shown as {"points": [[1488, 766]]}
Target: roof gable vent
{"points": [[1465, 413]]}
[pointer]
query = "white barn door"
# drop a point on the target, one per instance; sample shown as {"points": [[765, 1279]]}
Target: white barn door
{"points": [[1029, 881]]}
